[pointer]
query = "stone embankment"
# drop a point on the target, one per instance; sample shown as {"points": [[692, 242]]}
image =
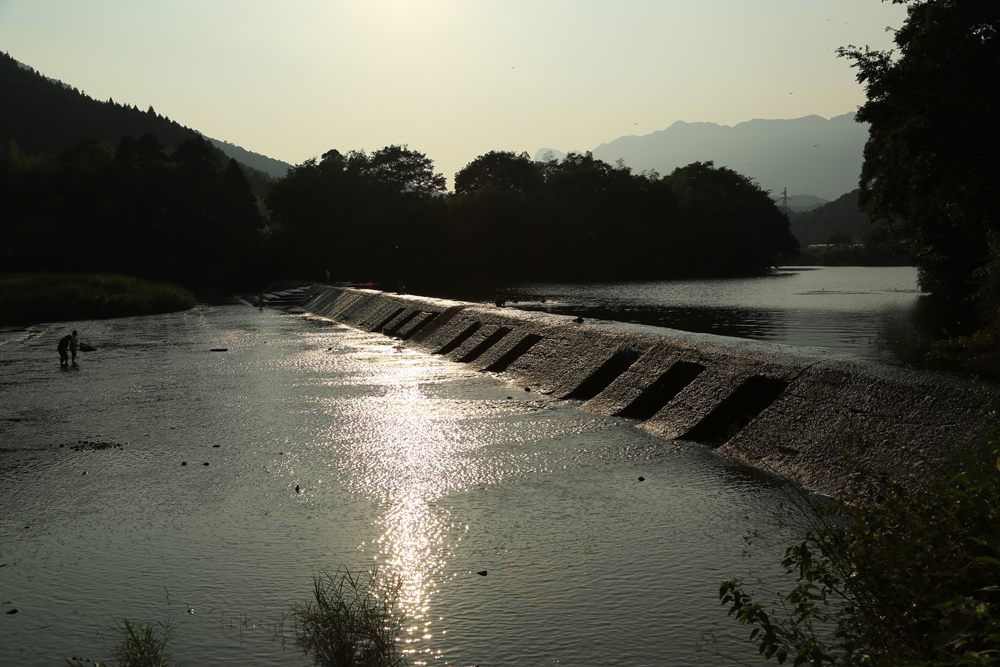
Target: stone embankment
{"points": [[785, 410]]}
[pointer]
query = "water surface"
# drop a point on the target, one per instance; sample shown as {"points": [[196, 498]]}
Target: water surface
{"points": [[860, 310], [405, 460]]}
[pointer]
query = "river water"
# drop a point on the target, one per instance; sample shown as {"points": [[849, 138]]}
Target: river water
{"points": [[875, 312], [404, 460]]}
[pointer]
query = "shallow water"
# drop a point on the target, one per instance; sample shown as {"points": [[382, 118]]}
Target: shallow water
{"points": [[405, 460]]}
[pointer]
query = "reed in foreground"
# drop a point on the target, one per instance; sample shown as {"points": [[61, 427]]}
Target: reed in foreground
{"points": [[139, 645], [352, 620]]}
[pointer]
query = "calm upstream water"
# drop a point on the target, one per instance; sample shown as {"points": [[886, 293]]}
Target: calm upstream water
{"points": [[860, 310], [405, 460]]}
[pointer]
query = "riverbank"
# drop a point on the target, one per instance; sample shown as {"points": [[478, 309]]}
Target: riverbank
{"points": [[60, 297]]}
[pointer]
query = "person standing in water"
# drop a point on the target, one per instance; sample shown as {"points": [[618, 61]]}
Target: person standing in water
{"points": [[63, 346], [74, 345]]}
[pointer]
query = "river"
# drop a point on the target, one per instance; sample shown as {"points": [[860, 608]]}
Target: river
{"points": [[156, 479], [875, 312]]}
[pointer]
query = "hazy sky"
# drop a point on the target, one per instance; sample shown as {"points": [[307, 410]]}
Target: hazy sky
{"points": [[451, 78]]}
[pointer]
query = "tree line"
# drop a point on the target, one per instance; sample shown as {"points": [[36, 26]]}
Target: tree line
{"points": [[383, 217], [930, 170], [183, 216]]}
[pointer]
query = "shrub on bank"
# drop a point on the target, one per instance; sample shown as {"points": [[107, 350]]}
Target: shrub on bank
{"points": [[46, 297], [892, 572]]}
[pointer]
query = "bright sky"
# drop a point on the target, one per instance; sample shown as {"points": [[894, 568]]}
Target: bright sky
{"points": [[452, 78]]}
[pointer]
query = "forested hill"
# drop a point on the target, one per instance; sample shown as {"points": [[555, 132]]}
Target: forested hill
{"points": [[841, 215], [839, 225], [268, 165], [46, 117]]}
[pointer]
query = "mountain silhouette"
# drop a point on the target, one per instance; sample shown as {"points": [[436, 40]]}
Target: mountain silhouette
{"points": [[811, 155], [268, 165]]}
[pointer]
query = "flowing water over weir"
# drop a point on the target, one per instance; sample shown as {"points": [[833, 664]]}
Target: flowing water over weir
{"points": [[157, 479], [779, 408]]}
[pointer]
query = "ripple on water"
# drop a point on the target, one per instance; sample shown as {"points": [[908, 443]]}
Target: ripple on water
{"points": [[402, 459]]}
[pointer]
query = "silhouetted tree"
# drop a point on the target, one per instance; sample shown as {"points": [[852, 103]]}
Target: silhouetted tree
{"points": [[398, 169], [729, 224], [501, 169], [365, 217], [931, 162], [25, 208], [513, 220], [137, 210]]}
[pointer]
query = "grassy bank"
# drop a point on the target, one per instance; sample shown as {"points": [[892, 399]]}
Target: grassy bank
{"points": [[53, 297]]}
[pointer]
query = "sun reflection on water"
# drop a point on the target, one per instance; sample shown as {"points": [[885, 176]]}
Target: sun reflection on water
{"points": [[418, 428], [404, 450]]}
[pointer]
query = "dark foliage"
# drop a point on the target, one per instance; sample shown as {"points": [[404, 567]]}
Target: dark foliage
{"points": [[53, 297], [868, 254], [376, 218], [46, 117], [933, 157], [894, 571], [730, 225], [182, 217], [843, 214], [500, 169], [364, 217], [843, 227]]}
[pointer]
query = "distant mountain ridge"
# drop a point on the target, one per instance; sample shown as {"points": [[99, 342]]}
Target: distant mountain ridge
{"points": [[809, 155], [801, 202], [269, 165]]}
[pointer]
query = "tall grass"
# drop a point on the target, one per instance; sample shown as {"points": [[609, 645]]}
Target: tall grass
{"points": [[139, 644], [49, 297], [351, 621]]}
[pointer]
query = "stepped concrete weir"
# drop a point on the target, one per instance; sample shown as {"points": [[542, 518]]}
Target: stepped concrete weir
{"points": [[785, 410]]}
